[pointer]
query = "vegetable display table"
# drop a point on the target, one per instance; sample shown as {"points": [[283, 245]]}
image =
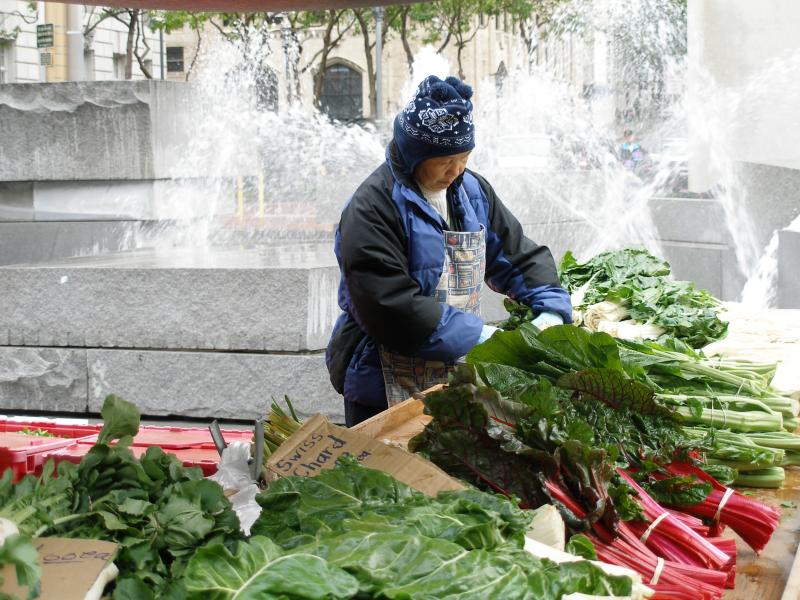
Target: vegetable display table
{"points": [[761, 577], [766, 576]]}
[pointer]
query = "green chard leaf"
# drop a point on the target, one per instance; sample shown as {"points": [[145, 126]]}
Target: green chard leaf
{"points": [[613, 388], [580, 545], [120, 419], [259, 569]]}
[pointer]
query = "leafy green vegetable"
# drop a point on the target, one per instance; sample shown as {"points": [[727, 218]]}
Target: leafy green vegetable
{"points": [[259, 569], [582, 546], [641, 282], [120, 419], [159, 511], [295, 509], [678, 491], [615, 389], [35, 504], [399, 543], [39, 432], [465, 442], [722, 473]]}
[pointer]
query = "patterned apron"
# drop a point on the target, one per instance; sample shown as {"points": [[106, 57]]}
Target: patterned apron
{"points": [[460, 287]]}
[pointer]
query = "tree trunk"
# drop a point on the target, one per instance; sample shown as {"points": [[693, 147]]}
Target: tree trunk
{"points": [[373, 92], [319, 80], [459, 48], [196, 53], [530, 37], [404, 38], [139, 55], [134, 16]]}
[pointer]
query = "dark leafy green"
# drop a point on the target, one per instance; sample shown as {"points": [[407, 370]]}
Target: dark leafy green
{"points": [[641, 282], [120, 419], [464, 441], [296, 509], [582, 546], [159, 511]]}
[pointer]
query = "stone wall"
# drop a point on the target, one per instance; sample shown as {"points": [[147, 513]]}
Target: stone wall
{"points": [[210, 334], [789, 269]]}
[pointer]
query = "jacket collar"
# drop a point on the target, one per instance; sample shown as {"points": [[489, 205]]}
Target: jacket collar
{"points": [[406, 179]]}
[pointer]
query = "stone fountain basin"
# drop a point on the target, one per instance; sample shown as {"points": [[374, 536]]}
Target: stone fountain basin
{"points": [[273, 299], [192, 333]]}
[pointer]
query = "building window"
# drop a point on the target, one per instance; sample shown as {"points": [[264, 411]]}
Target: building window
{"points": [[120, 62], [174, 59], [5, 63], [341, 96]]}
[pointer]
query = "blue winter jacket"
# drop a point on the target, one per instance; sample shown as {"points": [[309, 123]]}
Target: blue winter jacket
{"points": [[390, 249]]}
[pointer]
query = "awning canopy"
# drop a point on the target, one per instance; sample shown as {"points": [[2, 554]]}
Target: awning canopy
{"points": [[242, 5]]}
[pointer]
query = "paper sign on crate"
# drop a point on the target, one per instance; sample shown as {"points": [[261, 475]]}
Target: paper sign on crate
{"points": [[72, 569], [318, 443]]}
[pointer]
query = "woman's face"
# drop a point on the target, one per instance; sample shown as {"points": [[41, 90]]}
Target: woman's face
{"points": [[438, 173]]}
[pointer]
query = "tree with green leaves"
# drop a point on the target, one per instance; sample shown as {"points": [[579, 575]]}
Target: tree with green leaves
{"points": [[455, 21], [173, 20]]}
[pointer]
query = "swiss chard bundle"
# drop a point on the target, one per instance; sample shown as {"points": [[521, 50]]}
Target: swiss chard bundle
{"points": [[465, 441]]}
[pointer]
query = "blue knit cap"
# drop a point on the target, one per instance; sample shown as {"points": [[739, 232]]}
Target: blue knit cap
{"points": [[436, 122]]}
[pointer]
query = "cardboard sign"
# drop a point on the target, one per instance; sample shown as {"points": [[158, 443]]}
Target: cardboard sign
{"points": [[70, 568], [318, 443]]}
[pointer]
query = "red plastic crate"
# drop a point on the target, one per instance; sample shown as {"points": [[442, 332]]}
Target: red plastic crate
{"points": [[24, 454], [60, 429], [205, 458], [177, 438]]}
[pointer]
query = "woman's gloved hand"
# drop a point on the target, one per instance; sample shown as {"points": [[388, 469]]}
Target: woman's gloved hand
{"points": [[547, 319], [487, 332]]}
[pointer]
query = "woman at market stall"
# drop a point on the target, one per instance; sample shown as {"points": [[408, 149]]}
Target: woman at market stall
{"points": [[415, 243]]}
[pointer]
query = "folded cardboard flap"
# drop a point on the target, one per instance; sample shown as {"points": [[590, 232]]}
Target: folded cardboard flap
{"points": [[398, 424], [71, 568], [319, 443]]}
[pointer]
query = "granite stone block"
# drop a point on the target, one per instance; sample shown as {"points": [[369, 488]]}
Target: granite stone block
{"points": [[789, 269], [38, 242], [95, 130], [43, 379], [212, 384], [271, 299]]}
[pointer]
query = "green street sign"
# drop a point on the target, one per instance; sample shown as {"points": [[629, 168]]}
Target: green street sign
{"points": [[44, 35]]}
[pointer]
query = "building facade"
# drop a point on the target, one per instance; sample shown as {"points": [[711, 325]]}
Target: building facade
{"points": [[97, 52]]}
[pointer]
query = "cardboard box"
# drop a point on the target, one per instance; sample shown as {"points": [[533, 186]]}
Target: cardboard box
{"points": [[71, 569], [318, 443], [398, 424]]}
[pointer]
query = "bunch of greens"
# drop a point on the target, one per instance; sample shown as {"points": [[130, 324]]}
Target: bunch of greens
{"points": [[353, 532], [279, 426], [690, 389], [641, 283], [159, 511], [467, 442]]}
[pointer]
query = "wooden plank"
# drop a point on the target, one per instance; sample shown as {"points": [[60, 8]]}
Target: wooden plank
{"points": [[792, 589], [766, 577]]}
